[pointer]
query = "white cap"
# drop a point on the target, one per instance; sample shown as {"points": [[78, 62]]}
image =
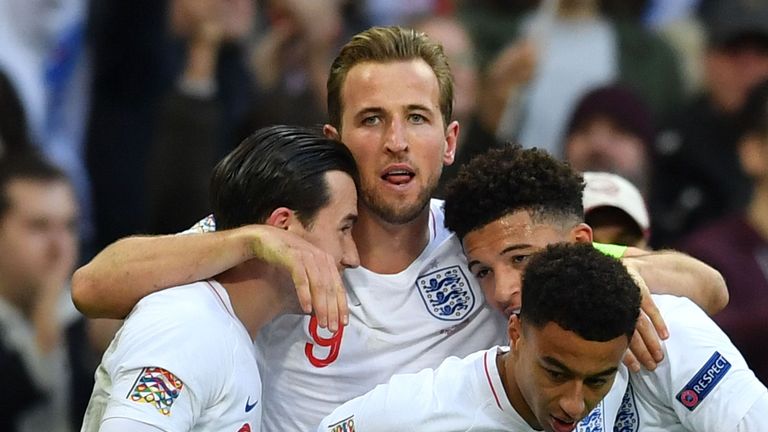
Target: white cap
{"points": [[604, 189]]}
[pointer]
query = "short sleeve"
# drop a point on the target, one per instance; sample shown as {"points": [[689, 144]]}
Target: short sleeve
{"points": [[706, 373]]}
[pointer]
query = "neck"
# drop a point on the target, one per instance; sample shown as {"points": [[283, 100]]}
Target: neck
{"points": [[757, 212], [258, 292], [505, 363], [390, 248]]}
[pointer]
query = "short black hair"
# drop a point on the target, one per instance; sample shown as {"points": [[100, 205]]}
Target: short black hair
{"points": [[504, 180], [582, 290], [277, 166], [26, 165]]}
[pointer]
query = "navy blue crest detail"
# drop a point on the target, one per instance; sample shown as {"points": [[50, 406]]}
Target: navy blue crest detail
{"points": [[593, 422], [704, 381], [446, 293], [628, 418]]}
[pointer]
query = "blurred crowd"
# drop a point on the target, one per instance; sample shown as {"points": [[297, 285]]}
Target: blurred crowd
{"points": [[112, 115]]}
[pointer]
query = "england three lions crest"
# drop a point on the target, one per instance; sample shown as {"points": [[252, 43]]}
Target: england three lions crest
{"points": [[446, 293]]}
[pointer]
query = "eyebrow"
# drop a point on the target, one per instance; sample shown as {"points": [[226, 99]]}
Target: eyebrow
{"points": [[557, 364], [507, 249]]}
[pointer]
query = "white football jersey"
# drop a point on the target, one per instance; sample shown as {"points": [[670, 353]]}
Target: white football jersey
{"points": [[703, 383], [398, 323], [460, 395], [182, 361]]}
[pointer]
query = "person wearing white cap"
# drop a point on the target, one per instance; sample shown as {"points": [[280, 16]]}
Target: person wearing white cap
{"points": [[615, 210]]}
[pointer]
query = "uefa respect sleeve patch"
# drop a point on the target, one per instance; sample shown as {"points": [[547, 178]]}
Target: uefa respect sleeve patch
{"points": [[705, 380], [157, 387]]}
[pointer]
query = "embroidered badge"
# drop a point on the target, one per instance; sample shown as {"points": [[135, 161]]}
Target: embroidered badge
{"points": [[446, 293], [158, 387], [346, 425], [246, 428], [704, 381], [593, 422], [627, 419]]}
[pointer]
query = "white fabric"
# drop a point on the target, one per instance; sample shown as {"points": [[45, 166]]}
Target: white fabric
{"points": [[124, 424], [460, 395], [192, 332], [754, 420], [391, 330], [651, 403]]}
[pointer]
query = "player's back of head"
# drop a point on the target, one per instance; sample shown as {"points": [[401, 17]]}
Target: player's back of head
{"points": [[277, 166], [504, 180], [581, 290]]}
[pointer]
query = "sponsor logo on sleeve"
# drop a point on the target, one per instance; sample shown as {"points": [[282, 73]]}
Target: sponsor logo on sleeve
{"points": [[346, 425], [157, 387], [446, 293], [705, 380]]}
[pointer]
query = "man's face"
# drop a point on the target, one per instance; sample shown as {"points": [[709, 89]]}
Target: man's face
{"points": [[392, 123], [560, 375], [38, 234], [498, 253], [331, 229], [602, 146]]}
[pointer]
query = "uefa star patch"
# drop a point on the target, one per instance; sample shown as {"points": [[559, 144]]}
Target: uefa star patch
{"points": [[446, 293], [157, 387], [705, 380]]}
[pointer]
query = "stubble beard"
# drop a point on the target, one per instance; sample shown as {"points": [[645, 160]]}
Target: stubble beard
{"points": [[393, 211]]}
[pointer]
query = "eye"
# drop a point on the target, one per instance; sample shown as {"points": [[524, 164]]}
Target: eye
{"points": [[417, 118], [556, 375], [596, 383], [519, 259], [371, 120], [482, 273]]}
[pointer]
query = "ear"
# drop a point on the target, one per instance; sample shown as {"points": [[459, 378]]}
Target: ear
{"points": [[581, 233], [451, 143], [514, 330], [282, 217], [752, 152], [331, 132]]}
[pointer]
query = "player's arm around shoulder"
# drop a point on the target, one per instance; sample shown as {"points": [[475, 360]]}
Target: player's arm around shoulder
{"points": [[710, 385], [672, 272]]}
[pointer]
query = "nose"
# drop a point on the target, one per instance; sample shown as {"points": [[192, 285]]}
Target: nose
{"points": [[507, 289], [572, 401], [396, 140], [349, 256]]}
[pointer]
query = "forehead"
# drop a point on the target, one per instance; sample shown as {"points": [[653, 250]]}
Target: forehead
{"points": [[514, 229], [390, 84], [579, 355], [31, 195], [343, 196]]}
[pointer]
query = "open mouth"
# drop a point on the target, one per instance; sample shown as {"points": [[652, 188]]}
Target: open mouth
{"points": [[398, 176], [562, 426]]}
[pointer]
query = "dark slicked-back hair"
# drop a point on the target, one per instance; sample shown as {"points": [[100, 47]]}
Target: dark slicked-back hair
{"points": [[582, 290], [27, 165], [384, 45], [277, 166], [504, 180]]}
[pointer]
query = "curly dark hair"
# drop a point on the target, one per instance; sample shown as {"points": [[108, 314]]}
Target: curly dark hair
{"points": [[504, 180], [581, 290]]}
